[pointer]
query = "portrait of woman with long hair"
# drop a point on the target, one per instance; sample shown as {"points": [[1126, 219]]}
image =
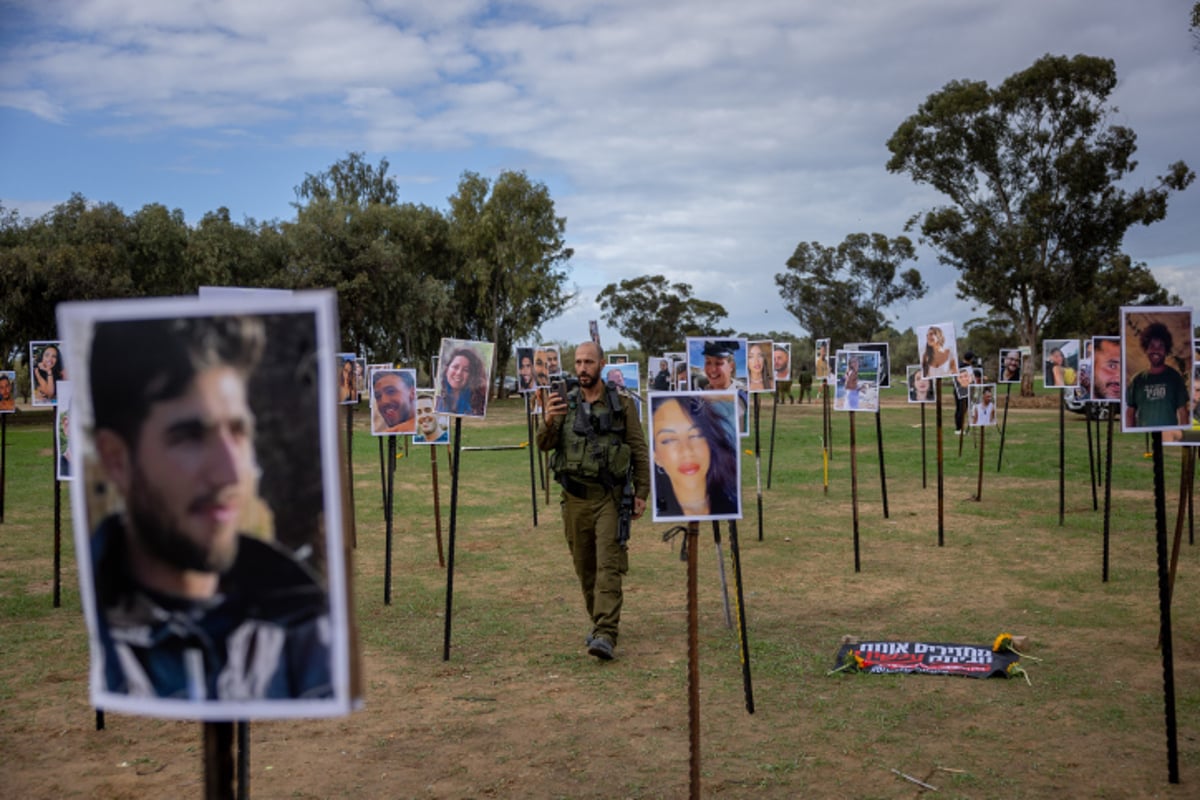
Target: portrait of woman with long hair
{"points": [[694, 450]]}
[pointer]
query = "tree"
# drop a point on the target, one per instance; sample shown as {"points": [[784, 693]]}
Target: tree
{"points": [[1119, 282], [77, 251], [511, 250], [392, 264], [659, 315], [841, 292], [350, 182], [1034, 179]]}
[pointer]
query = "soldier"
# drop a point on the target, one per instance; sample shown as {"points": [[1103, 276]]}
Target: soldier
{"points": [[598, 449]]}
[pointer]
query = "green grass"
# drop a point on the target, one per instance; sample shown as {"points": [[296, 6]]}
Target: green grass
{"points": [[519, 708]]}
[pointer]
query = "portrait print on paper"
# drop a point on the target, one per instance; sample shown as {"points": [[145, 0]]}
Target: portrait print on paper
{"points": [[618, 358], [393, 394], [981, 409], [938, 349], [1060, 363], [967, 376], [347, 385], [1156, 357], [658, 372], [885, 361], [1011, 361], [719, 364], [46, 368], [208, 512], [857, 380], [526, 381], [821, 361], [920, 388], [760, 369], [432, 427], [461, 387], [8, 391], [62, 434], [1106, 369], [694, 454], [627, 378], [781, 360], [545, 365]]}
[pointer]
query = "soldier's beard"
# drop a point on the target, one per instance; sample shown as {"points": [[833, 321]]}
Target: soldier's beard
{"points": [[161, 536]]}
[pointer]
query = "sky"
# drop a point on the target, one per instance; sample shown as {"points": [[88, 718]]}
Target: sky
{"points": [[699, 141]]}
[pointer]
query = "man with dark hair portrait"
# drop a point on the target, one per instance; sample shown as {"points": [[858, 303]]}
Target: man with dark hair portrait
{"points": [[393, 393], [7, 403], [1106, 363], [188, 606], [1157, 396], [552, 364], [540, 373]]}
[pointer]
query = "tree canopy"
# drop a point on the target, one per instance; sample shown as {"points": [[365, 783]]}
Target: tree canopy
{"points": [[1035, 178], [512, 249], [406, 274], [659, 315], [841, 292]]}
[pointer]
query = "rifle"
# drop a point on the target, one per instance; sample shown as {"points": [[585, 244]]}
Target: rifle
{"points": [[625, 514]]}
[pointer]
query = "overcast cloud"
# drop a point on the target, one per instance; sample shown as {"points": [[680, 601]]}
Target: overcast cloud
{"points": [[701, 141]]}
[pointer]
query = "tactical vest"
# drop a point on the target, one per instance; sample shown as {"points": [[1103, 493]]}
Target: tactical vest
{"points": [[593, 448]]}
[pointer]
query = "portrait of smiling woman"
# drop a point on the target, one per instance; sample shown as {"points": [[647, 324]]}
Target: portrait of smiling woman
{"points": [[462, 385], [693, 447]]}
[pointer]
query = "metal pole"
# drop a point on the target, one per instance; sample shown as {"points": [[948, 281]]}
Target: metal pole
{"points": [[1164, 605], [532, 458], [1003, 426], [758, 464], [882, 469], [979, 487], [1107, 494], [1062, 458], [924, 483], [735, 553], [854, 489], [3, 460], [1091, 456], [771, 457], [453, 521], [721, 573], [218, 761], [387, 516], [350, 472], [941, 478], [57, 519], [693, 669]]}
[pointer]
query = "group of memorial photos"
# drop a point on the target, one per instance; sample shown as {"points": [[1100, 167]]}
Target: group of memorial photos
{"points": [[213, 568], [1151, 370]]}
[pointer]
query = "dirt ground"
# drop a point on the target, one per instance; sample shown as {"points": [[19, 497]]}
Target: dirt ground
{"points": [[520, 710]]}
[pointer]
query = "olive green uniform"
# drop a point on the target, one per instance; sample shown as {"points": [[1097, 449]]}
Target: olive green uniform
{"points": [[591, 499]]}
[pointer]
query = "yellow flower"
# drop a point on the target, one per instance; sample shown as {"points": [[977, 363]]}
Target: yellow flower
{"points": [[1003, 642]]}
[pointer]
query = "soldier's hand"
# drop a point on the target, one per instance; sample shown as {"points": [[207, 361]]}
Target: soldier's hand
{"points": [[639, 508], [555, 406]]}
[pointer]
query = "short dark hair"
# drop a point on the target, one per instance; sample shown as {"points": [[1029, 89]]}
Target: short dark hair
{"points": [[137, 363], [405, 377], [1157, 330]]}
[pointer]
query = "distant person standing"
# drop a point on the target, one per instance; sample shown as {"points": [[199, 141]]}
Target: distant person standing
{"points": [[806, 382]]}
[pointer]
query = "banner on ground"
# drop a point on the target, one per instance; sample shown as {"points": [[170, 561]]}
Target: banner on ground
{"points": [[934, 658]]}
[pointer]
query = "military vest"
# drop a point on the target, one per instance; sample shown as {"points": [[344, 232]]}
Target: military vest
{"points": [[592, 446]]}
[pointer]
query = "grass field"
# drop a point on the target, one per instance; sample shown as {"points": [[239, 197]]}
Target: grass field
{"points": [[519, 709]]}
